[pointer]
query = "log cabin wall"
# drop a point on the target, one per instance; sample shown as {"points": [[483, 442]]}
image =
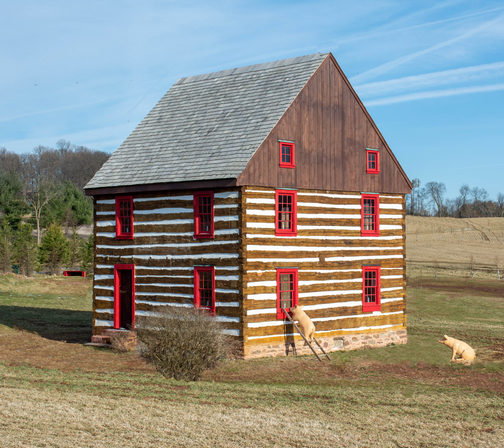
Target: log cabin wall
{"points": [[329, 253], [164, 252]]}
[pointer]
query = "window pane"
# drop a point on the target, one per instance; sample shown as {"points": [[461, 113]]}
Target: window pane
{"points": [[205, 214]]}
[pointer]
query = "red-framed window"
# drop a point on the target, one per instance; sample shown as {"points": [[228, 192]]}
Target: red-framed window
{"points": [[287, 155], [203, 214], [372, 161], [287, 291], [124, 217], [204, 288], [124, 296], [286, 212], [370, 214], [371, 296]]}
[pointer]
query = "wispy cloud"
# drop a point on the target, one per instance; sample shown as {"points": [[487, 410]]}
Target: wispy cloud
{"points": [[433, 79], [433, 94], [391, 30], [395, 63]]}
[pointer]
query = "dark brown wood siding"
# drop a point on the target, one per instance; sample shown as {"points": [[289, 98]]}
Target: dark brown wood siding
{"points": [[331, 130]]}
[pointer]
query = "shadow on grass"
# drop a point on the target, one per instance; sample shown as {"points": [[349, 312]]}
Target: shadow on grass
{"points": [[50, 323]]}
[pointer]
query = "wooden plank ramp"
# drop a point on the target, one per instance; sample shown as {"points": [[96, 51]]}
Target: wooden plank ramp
{"points": [[306, 340]]}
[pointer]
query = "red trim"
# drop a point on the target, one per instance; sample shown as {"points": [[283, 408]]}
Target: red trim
{"points": [[287, 155], [372, 161], [203, 207], [124, 215], [371, 292], [286, 212], [74, 273], [370, 215], [197, 287], [117, 305], [286, 288]]}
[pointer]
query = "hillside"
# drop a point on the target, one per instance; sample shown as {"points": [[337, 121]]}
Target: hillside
{"points": [[453, 244]]}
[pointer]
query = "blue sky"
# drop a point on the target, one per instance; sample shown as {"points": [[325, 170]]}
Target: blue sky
{"points": [[431, 73]]}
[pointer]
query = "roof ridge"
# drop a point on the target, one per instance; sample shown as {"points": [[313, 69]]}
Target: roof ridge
{"points": [[253, 68]]}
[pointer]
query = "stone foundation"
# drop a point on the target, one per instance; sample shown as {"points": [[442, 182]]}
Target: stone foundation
{"points": [[330, 344]]}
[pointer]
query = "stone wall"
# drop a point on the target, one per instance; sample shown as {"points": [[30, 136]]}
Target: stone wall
{"points": [[330, 344]]}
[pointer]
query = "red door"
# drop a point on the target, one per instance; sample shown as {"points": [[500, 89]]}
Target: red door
{"points": [[124, 296]]}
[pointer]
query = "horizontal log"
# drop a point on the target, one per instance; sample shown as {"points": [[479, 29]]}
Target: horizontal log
{"points": [[331, 333], [331, 312], [160, 239], [180, 251], [344, 297], [335, 286], [310, 275], [167, 262], [169, 228], [355, 264], [161, 194], [323, 243], [249, 304], [346, 323]]}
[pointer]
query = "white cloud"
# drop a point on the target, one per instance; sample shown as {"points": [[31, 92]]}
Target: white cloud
{"points": [[433, 79], [395, 63], [433, 94]]}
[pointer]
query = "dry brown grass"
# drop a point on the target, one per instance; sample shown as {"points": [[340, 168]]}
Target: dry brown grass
{"points": [[134, 411], [58, 394], [440, 243]]}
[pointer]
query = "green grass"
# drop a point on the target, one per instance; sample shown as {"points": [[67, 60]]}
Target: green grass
{"points": [[56, 394], [55, 308]]}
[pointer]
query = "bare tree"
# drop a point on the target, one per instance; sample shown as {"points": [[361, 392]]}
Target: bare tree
{"points": [[10, 163], [39, 181], [500, 204], [436, 192]]}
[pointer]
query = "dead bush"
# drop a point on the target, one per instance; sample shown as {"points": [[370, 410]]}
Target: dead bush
{"points": [[182, 342]]}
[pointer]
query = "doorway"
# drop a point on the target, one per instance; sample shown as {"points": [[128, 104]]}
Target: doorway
{"points": [[124, 296]]}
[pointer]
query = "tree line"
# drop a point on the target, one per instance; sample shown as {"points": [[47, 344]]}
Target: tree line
{"points": [[41, 205], [472, 202]]}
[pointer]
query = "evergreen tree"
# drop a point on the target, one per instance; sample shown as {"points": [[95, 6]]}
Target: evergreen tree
{"points": [[87, 254], [25, 249], [53, 251], [12, 205], [5, 247], [70, 208], [74, 250]]}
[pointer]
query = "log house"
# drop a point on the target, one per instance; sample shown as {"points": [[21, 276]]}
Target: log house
{"points": [[252, 189]]}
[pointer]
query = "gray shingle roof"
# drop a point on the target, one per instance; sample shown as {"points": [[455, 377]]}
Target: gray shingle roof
{"points": [[207, 126]]}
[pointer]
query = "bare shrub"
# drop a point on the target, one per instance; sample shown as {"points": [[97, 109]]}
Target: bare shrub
{"points": [[183, 342]]}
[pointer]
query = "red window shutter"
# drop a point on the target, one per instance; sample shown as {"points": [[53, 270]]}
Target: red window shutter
{"points": [[371, 295], [372, 161], [287, 155], [204, 288], [287, 291], [286, 212], [370, 215], [124, 217], [203, 205]]}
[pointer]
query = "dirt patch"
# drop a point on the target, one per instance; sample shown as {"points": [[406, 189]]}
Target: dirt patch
{"points": [[22, 347], [460, 285], [313, 372]]}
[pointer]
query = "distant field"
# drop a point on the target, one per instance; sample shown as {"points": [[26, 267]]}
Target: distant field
{"points": [[450, 246], [59, 394]]}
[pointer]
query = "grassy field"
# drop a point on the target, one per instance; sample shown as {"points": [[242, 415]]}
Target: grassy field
{"points": [[449, 246], [62, 394]]}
